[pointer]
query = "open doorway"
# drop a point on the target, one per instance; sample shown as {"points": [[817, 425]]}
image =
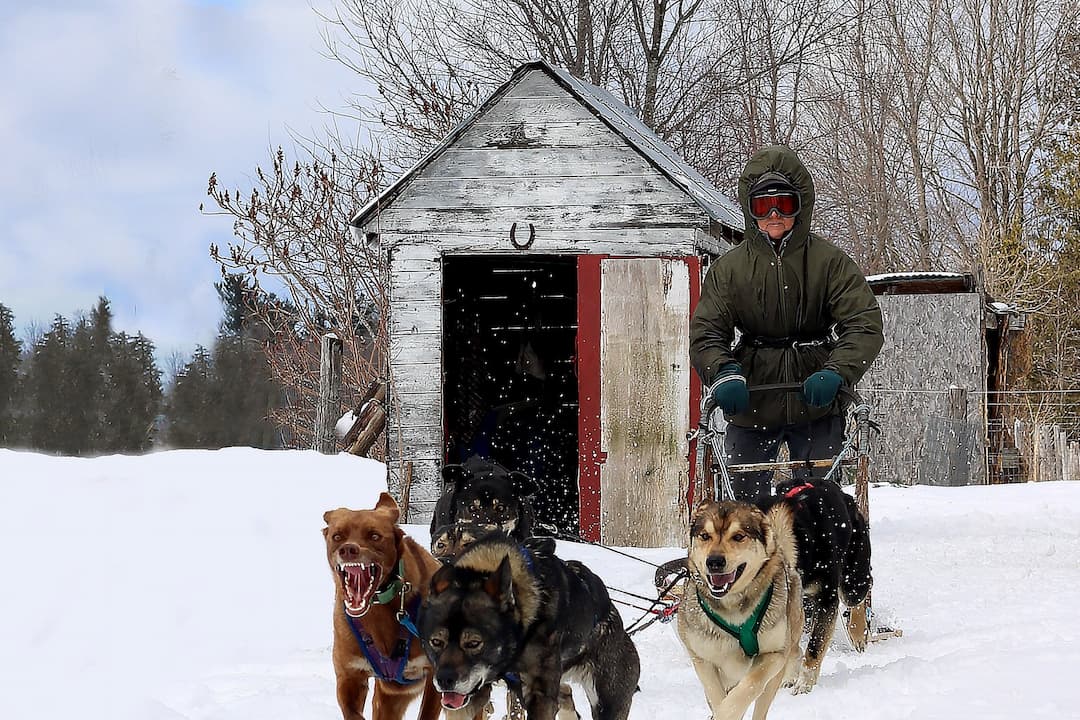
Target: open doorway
{"points": [[511, 393]]}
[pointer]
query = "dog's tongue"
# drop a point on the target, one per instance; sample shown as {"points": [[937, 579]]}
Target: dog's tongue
{"points": [[359, 587], [454, 701], [722, 581]]}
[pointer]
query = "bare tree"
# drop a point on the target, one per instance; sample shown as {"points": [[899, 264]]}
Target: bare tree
{"points": [[998, 61], [292, 226]]}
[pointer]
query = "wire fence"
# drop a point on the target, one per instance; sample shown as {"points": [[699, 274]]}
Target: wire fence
{"points": [[952, 436]]}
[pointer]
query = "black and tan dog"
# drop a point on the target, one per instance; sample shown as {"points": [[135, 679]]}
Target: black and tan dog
{"points": [[449, 541], [484, 495], [517, 613], [380, 578], [741, 613], [833, 541]]}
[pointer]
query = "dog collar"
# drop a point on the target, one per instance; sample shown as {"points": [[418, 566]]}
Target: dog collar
{"points": [[383, 597], [798, 489], [746, 633]]}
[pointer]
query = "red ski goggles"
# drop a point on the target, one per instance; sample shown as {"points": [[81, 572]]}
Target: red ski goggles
{"points": [[785, 203]]}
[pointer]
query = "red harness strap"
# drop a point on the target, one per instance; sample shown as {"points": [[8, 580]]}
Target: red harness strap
{"points": [[797, 489]]}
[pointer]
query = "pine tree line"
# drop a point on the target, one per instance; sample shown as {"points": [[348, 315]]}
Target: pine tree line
{"points": [[84, 389]]}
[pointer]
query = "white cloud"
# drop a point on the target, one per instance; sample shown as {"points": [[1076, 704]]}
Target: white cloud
{"points": [[114, 118]]}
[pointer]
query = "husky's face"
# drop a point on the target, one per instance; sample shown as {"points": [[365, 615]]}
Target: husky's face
{"points": [[469, 631], [729, 543]]}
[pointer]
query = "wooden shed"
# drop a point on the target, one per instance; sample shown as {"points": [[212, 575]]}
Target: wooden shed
{"points": [[942, 359], [543, 262]]}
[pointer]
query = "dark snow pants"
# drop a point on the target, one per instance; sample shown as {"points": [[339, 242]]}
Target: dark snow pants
{"points": [[819, 439]]}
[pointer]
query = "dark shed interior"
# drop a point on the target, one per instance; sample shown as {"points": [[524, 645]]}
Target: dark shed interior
{"points": [[511, 391]]}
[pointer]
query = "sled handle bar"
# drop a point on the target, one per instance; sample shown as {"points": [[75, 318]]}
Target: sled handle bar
{"points": [[848, 392]]}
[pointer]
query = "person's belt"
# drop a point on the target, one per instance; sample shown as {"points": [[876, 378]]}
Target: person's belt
{"points": [[791, 341]]}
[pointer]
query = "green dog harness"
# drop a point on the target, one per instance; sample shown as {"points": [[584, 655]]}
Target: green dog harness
{"points": [[746, 633]]}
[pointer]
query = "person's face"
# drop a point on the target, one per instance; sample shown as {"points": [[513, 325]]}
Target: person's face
{"points": [[775, 225]]}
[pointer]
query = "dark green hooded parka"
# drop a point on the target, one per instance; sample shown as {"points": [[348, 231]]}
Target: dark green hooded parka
{"points": [[795, 294]]}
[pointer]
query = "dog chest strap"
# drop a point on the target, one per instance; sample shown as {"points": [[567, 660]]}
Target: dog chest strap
{"points": [[392, 667], [746, 633]]}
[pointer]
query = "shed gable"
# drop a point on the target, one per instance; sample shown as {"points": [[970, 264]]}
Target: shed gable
{"points": [[537, 155]]}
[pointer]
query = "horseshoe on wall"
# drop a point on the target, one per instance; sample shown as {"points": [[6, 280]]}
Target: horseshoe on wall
{"points": [[522, 245]]}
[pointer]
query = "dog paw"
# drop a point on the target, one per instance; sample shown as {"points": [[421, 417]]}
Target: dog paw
{"points": [[805, 682]]}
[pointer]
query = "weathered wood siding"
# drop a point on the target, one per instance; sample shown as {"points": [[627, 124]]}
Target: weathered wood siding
{"points": [[537, 156], [644, 401], [932, 343]]}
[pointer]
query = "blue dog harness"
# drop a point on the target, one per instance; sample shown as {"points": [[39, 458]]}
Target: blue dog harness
{"points": [[391, 668]]}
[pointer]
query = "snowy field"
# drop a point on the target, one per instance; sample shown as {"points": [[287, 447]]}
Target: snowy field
{"points": [[193, 584]]}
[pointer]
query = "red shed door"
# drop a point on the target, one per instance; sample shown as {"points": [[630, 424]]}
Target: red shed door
{"points": [[634, 394]]}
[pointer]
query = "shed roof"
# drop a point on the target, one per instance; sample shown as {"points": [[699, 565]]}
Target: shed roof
{"points": [[618, 117], [916, 283]]}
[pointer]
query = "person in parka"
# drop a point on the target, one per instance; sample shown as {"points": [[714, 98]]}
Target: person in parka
{"points": [[784, 306]]}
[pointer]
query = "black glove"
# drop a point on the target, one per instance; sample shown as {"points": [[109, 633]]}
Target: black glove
{"points": [[729, 390]]}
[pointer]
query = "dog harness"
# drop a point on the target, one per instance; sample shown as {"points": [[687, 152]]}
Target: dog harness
{"points": [[797, 489], [746, 633], [391, 668]]}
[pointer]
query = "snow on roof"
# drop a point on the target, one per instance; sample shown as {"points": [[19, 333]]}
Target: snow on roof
{"points": [[1002, 308], [898, 276], [616, 115]]}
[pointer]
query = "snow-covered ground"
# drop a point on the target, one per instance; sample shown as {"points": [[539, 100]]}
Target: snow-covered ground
{"points": [[193, 584]]}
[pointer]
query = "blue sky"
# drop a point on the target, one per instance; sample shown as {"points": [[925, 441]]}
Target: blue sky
{"points": [[113, 114]]}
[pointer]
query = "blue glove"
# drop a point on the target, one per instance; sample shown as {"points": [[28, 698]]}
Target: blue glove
{"points": [[729, 390], [820, 388]]}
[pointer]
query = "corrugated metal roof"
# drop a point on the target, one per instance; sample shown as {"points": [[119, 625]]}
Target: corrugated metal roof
{"points": [[617, 116], [914, 275], [920, 282]]}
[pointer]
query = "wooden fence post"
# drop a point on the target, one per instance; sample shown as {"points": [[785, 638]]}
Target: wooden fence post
{"points": [[329, 406], [958, 449]]}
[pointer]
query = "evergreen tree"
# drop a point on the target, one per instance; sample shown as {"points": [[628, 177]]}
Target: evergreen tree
{"points": [[189, 405], [226, 395], [10, 352], [247, 386], [49, 389], [85, 391], [133, 395]]}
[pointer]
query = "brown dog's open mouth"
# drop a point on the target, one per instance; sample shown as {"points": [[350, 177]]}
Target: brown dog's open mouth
{"points": [[720, 583], [359, 581]]}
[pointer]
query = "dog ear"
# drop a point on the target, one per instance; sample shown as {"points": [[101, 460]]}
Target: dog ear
{"points": [[758, 527], [522, 484], [441, 580], [696, 519], [700, 506], [500, 584], [388, 504], [454, 476]]}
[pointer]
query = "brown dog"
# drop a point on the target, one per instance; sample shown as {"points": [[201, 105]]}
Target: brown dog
{"points": [[381, 576]]}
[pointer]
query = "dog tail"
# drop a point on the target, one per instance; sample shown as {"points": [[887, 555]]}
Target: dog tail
{"points": [[782, 520], [857, 579]]}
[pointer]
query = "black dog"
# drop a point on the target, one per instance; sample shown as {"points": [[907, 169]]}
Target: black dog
{"points": [[484, 495], [517, 613], [833, 541]]}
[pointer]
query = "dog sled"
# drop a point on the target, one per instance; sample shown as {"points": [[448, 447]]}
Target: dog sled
{"points": [[712, 480]]}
